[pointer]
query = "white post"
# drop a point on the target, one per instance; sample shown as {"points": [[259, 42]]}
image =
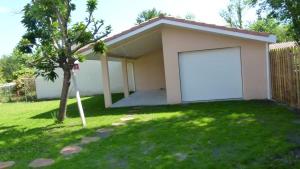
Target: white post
{"points": [[105, 81], [78, 99], [269, 87], [125, 78]]}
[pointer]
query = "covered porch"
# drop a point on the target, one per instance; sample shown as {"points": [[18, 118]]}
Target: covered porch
{"points": [[145, 53]]}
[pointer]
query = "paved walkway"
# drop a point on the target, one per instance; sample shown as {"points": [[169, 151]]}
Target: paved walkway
{"points": [[143, 98]]}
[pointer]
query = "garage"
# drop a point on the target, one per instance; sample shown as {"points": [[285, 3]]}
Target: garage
{"points": [[213, 74], [187, 61]]}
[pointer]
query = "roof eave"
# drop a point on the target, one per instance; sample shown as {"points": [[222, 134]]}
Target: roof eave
{"points": [[163, 21]]}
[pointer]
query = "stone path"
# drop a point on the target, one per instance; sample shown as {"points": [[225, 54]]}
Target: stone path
{"points": [[118, 124], [296, 121], [180, 156], [74, 149], [88, 140], [6, 164], [41, 162], [104, 132], [127, 118], [69, 150]]}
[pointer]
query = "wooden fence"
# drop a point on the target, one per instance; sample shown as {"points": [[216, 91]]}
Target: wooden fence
{"points": [[285, 75]]}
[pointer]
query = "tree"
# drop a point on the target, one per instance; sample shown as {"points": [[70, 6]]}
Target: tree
{"points": [[271, 25], [55, 42], [233, 15], [148, 14], [14, 65], [286, 11], [190, 16]]}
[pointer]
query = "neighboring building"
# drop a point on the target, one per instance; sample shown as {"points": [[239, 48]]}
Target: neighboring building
{"points": [[89, 79]]}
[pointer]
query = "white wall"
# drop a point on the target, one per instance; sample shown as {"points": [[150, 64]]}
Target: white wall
{"points": [[89, 79]]}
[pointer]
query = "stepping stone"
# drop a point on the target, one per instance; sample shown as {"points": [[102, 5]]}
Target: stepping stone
{"points": [[104, 132], [118, 124], [180, 156], [6, 164], [87, 140], [127, 118], [296, 121], [69, 150], [41, 162]]}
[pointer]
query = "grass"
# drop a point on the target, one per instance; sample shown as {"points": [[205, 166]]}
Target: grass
{"points": [[221, 135]]}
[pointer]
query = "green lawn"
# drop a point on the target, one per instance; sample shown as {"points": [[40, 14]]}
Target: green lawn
{"points": [[220, 135]]}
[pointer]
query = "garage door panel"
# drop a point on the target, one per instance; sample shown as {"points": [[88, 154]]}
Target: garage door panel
{"points": [[210, 74]]}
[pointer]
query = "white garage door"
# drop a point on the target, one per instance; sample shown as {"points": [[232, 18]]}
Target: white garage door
{"points": [[211, 74]]}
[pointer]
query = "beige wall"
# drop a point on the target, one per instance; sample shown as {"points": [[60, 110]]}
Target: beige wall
{"points": [[253, 56], [149, 71]]}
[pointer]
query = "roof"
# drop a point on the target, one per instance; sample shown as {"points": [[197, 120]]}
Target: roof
{"points": [[282, 45], [183, 23]]}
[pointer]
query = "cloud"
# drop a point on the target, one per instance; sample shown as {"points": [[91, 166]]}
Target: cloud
{"points": [[4, 9]]}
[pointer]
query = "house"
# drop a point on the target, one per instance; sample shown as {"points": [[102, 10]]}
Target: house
{"points": [[177, 61], [88, 79]]}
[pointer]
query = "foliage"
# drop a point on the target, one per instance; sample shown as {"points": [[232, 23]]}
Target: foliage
{"points": [[148, 14], [190, 16], [272, 26], [14, 66], [287, 11], [222, 135], [233, 15], [55, 42], [51, 37]]}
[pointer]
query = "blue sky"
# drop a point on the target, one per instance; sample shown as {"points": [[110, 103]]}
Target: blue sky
{"points": [[120, 14]]}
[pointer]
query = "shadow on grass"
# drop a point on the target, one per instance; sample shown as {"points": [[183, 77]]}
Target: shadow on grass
{"points": [[233, 134], [245, 137], [93, 106]]}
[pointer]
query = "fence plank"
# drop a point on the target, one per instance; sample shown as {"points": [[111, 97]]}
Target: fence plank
{"points": [[285, 75]]}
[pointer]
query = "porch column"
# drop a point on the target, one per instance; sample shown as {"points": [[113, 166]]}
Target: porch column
{"points": [[125, 78], [105, 81]]}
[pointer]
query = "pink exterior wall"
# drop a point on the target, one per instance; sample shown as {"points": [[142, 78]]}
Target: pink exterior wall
{"points": [[253, 58], [149, 71]]}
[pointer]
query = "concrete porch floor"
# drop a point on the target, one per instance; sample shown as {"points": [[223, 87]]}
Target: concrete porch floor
{"points": [[143, 98]]}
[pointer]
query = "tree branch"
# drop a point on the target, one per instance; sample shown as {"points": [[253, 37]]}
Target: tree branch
{"points": [[90, 42], [89, 21]]}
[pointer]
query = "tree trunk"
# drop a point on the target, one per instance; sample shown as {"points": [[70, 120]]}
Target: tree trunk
{"points": [[64, 96]]}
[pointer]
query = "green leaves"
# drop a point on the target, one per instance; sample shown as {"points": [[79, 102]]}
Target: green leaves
{"points": [[271, 25], [148, 14], [99, 47], [25, 45], [233, 14], [53, 40], [79, 34], [15, 65], [91, 5], [287, 11]]}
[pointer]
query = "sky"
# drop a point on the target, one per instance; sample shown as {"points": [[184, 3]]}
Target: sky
{"points": [[120, 14]]}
